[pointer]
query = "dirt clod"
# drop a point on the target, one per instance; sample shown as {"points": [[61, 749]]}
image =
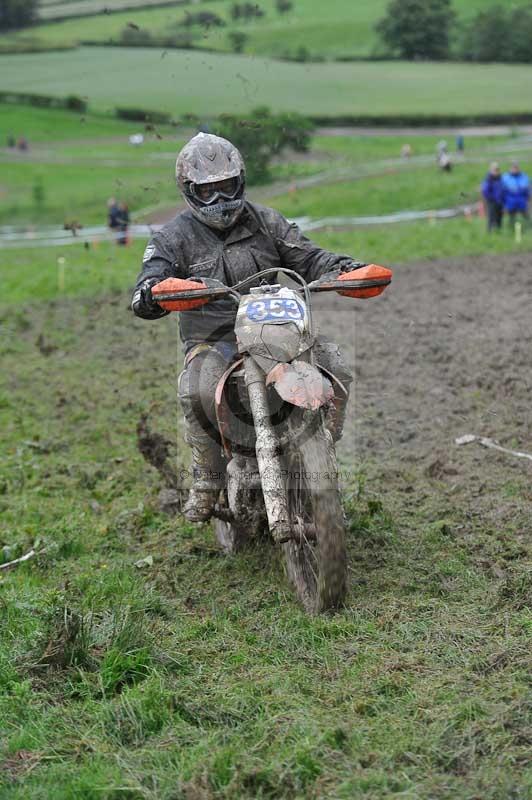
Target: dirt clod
{"points": [[45, 348], [156, 450]]}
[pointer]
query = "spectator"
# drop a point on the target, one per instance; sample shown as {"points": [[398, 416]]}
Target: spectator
{"points": [[444, 161], [406, 151], [443, 158], [123, 223], [112, 214], [492, 192], [23, 144], [460, 143], [11, 141], [441, 147], [516, 193]]}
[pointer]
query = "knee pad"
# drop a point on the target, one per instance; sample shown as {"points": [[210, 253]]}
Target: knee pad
{"points": [[329, 356], [196, 389]]}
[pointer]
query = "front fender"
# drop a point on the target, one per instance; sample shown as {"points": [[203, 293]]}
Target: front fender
{"points": [[301, 384]]}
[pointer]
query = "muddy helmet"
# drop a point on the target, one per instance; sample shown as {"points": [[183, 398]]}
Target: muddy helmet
{"points": [[211, 175]]}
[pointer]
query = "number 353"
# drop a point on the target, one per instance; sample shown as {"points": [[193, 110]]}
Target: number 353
{"points": [[274, 308]]}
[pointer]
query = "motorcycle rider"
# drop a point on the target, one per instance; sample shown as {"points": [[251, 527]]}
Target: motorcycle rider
{"points": [[222, 235]]}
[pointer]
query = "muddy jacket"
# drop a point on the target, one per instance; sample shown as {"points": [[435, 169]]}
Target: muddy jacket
{"points": [[262, 238]]}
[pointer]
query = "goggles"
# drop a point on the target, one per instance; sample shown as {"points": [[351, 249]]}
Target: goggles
{"points": [[209, 193]]}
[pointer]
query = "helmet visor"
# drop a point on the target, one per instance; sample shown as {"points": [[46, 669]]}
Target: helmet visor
{"points": [[208, 193]]}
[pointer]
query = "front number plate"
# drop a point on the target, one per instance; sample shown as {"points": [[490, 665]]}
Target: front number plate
{"points": [[274, 309]]}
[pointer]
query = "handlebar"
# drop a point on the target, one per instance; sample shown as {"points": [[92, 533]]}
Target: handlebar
{"points": [[212, 292], [335, 286], [345, 284]]}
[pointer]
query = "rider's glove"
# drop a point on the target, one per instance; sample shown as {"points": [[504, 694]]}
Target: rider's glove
{"points": [[347, 266], [143, 304]]}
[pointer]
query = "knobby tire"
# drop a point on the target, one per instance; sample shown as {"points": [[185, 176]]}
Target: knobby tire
{"points": [[316, 563]]}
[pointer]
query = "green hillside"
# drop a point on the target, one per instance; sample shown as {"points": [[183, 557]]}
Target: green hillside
{"points": [[339, 28], [209, 84]]}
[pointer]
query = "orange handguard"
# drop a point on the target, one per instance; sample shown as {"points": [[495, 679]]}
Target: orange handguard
{"points": [[171, 285], [371, 272]]}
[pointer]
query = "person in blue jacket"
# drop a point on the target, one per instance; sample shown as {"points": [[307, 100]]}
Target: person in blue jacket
{"points": [[516, 193], [492, 192]]}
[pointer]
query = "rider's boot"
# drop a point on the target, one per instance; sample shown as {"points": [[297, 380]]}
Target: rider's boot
{"points": [[335, 418], [207, 476], [329, 356], [341, 412]]}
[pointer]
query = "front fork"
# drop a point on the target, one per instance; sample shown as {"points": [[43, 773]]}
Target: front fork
{"points": [[268, 457]]}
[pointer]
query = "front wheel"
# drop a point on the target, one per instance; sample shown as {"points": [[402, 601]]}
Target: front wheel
{"points": [[316, 558]]}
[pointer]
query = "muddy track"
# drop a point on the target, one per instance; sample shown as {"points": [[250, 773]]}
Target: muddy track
{"points": [[446, 351]]}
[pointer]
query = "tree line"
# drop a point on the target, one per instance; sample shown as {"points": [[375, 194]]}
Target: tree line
{"points": [[430, 30], [17, 13]]}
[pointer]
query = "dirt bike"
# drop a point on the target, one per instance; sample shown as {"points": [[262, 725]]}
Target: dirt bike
{"points": [[276, 416]]}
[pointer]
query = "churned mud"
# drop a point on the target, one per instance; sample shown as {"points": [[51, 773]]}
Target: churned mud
{"points": [[446, 351]]}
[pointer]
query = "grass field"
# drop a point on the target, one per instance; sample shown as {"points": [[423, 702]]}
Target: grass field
{"points": [[106, 268], [336, 29], [208, 84], [80, 161], [93, 134], [198, 677], [91, 159], [76, 163], [80, 192], [60, 126], [70, 159], [420, 189], [362, 147]]}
